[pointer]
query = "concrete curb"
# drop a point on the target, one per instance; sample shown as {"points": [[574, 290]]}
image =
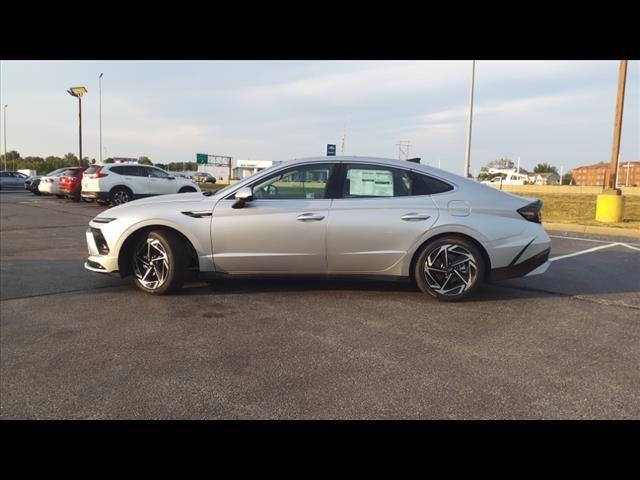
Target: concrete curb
{"points": [[571, 227]]}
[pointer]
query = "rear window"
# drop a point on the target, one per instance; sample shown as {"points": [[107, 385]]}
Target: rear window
{"points": [[92, 170], [71, 171]]}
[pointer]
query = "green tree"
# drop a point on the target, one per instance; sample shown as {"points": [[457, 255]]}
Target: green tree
{"points": [[502, 162], [566, 179], [70, 160], [145, 160], [545, 168]]}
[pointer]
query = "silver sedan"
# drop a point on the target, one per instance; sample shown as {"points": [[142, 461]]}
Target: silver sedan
{"points": [[328, 216]]}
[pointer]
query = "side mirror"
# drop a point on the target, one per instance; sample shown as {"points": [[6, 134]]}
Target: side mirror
{"points": [[243, 196]]}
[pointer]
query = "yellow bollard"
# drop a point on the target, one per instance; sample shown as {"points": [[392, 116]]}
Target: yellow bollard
{"points": [[610, 207]]}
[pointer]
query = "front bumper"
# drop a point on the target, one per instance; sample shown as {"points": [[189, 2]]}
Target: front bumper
{"points": [[98, 261]]}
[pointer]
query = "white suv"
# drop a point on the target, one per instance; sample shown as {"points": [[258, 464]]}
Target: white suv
{"points": [[118, 183]]}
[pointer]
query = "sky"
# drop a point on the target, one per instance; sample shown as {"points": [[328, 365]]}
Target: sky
{"points": [[558, 112]]}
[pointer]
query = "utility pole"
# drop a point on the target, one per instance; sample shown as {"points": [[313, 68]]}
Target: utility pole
{"points": [[100, 102], [467, 158], [617, 128], [344, 137], [404, 147]]}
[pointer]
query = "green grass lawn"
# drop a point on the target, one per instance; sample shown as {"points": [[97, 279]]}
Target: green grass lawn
{"points": [[207, 187], [581, 209]]}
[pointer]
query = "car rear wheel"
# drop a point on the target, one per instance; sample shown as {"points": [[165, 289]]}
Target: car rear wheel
{"points": [[59, 196], [160, 262], [449, 268], [120, 195]]}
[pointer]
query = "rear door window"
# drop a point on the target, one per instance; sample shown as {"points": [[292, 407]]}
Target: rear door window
{"points": [[367, 181]]}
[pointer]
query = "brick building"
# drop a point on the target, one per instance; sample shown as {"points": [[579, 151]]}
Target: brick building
{"points": [[598, 174]]}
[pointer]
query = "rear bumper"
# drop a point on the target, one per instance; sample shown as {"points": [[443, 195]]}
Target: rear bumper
{"points": [[539, 262], [70, 192], [102, 196]]}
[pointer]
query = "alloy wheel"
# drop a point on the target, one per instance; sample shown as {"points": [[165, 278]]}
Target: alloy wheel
{"points": [[151, 264], [120, 197], [450, 269]]}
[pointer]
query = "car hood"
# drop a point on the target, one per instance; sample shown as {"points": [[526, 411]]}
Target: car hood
{"points": [[178, 198]]}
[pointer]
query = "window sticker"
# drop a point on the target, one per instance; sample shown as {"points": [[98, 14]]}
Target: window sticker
{"points": [[370, 183]]}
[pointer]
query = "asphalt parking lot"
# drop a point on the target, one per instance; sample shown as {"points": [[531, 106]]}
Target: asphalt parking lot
{"points": [[78, 345]]}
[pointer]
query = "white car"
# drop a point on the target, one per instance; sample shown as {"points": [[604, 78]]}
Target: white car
{"points": [[49, 184], [328, 216], [118, 183]]}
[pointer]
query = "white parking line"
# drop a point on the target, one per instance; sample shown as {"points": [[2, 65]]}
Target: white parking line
{"points": [[582, 252], [590, 240]]}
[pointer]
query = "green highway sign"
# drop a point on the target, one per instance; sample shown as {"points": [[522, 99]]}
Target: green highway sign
{"points": [[202, 158]]}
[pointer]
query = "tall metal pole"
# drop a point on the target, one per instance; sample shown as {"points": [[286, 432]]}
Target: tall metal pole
{"points": [[100, 103], [617, 128], [80, 126], [467, 157], [5, 137]]}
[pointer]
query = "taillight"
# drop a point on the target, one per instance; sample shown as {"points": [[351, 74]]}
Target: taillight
{"points": [[98, 174], [531, 212]]}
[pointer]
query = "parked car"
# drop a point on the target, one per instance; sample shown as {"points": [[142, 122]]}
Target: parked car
{"points": [[328, 216], [49, 184], [12, 180], [118, 183], [203, 177], [32, 183], [71, 182]]}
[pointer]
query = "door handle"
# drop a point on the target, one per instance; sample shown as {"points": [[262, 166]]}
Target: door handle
{"points": [[309, 216], [415, 217]]}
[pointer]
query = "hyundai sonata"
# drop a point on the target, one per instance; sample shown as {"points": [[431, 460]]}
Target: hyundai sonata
{"points": [[328, 216]]}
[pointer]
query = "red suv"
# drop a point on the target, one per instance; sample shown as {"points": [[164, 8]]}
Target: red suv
{"points": [[71, 183]]}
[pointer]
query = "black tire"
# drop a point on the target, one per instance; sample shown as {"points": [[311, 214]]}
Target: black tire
{"points": [[187, 190], [120, 195], [59, 196], [452, 278], [174, 271], [37, 192]]}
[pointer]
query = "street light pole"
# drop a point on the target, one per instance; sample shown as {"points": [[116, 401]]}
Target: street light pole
{"points": [[5, 136], [78, 92], [80, 127], [467, 157], [100, 103]]}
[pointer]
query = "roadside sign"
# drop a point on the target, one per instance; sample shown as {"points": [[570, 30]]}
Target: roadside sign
{"points": [[202, 158], [331, 150]]}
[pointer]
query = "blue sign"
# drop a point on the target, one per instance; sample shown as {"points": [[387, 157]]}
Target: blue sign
{"points": [[331, 150]]}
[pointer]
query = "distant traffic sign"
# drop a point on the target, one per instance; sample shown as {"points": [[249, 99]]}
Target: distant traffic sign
{"points": [[331, 150], [202, 158]]}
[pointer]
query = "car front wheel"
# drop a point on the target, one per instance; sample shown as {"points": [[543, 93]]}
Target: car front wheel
{"points": [[449, 268], [160, 262]]}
